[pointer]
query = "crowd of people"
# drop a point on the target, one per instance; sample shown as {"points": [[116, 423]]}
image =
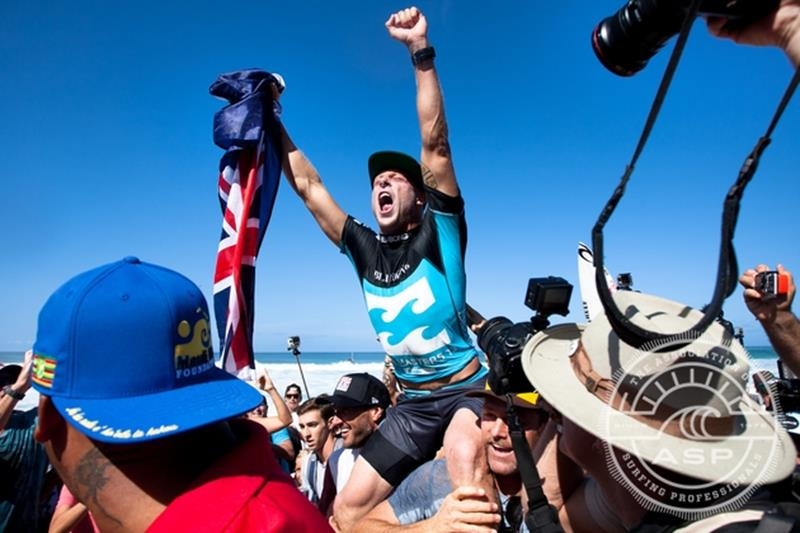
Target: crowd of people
{"points": [[137, 429]]}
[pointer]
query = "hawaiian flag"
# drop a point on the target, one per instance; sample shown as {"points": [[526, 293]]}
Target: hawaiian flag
{"points": [[249, 174], [44, 370]]}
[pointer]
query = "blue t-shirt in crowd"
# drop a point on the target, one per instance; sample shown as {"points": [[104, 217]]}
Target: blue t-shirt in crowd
{"points": [[278, 437]]}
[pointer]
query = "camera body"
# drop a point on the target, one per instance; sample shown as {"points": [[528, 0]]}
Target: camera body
{"points": [[785, 389], [772, 283], [625, 41], [788, 392], [503, 341], [548, 296]]}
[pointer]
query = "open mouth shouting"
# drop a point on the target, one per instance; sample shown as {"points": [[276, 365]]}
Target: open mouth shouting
{"points": [[385, 202]]}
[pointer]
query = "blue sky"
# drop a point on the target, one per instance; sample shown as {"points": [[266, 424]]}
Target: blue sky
{"points": [[107, 150]]}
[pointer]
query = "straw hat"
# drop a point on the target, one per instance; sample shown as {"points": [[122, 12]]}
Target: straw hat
{"points": [[681, 405]]}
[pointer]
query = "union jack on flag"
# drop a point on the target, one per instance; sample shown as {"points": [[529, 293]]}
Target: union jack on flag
{"points": [[248, 129]]}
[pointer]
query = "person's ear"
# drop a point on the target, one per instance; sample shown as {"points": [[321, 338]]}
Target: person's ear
{"points": [[377, 414], [50, 422]]}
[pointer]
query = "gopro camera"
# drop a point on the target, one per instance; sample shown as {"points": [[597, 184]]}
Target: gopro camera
{"points": [[625, 281], [548, 296], [772, 283], [293, 345], [503, 341]]}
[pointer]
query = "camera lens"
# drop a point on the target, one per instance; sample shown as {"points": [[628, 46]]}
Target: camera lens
{"points": [[491, 332], [625, 41]]}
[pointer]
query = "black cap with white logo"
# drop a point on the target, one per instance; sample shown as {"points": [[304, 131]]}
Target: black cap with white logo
{"points": [[360, 390]]}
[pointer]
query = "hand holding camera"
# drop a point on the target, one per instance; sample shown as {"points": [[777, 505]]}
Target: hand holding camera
{"points": [[625, 41], [780, 28], [768, 291]]}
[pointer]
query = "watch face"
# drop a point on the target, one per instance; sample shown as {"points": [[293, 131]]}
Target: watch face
{"points": [[422, 55]]}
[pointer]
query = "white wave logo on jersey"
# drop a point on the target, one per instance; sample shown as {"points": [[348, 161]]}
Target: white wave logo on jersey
{"points": [[399, 316]]}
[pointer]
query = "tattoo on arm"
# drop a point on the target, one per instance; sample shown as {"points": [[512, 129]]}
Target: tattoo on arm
{"points": [[91, 473], [428, 178], [440, 137]]}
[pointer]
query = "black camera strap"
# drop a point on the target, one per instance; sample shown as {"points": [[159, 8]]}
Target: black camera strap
{"points": [[727, 269], [541, 516]]}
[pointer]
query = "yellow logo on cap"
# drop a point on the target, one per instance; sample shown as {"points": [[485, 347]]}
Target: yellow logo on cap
{"points": [[196, 355]]}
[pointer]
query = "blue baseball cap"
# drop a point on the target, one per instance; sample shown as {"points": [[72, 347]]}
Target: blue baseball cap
{"points": [[124, 353]]}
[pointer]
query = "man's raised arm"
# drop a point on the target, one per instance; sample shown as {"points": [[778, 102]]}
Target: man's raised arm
{"points": [[775, 316], [410, 27], [305, 180]]}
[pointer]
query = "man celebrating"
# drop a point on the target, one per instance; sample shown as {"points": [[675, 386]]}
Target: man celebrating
{"points": [[413, 279], [360, 402], [139, 422]]}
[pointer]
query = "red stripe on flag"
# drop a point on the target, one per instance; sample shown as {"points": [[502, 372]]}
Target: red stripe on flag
{"points": [[237, 249]]}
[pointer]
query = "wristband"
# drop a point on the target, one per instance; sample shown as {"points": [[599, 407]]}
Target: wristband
{"points": [[12, 393], [422, 55]]}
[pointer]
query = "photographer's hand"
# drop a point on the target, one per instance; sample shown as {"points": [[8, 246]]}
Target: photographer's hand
{"points": [[23, 382], [780, 28], [20, 386], [766, 309], [775, 315]]}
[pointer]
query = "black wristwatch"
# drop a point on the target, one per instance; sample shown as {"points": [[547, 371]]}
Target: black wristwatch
{"points": [[422, 55], [14, 394]]}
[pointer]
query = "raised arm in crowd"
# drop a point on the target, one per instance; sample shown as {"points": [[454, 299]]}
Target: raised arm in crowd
{"points": [[775, 315]]}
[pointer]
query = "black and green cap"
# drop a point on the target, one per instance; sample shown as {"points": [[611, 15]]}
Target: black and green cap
{"points": [[398, 161]]}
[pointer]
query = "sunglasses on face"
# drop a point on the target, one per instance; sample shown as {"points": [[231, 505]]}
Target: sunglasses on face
{"points": [[293, 396]]}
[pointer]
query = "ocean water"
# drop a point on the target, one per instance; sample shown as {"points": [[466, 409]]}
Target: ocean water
{"points": [[762, 358], [318, 372], [315, 372]]}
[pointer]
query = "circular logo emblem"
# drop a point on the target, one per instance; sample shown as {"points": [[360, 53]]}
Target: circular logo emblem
{"points": [[687, 438]]}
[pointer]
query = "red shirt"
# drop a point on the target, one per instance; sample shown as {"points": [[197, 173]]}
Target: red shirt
{"points": [[245, 490]]}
